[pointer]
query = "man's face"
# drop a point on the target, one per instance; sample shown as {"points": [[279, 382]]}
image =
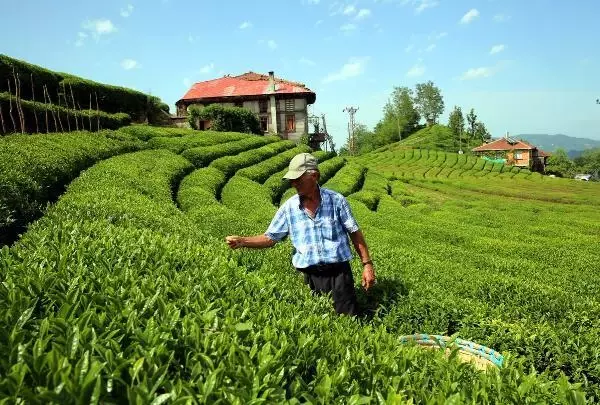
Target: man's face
{"points": [[305, 184]]}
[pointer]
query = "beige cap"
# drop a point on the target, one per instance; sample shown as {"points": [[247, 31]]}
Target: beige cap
{"points": [[300, 164]]}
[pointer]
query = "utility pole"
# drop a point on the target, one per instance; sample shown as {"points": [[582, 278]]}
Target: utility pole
{"points": [[351, 111], [327, 136]]}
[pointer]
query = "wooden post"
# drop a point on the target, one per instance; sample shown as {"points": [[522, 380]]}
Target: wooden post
{"points": [[2, 120], [74, 108], [45, 106], [62, 129], [37, 125], [67, 104], [90, 113], [10, 108], [97, 111], [18, 101]]}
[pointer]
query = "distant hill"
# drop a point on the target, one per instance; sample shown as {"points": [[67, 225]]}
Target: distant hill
{"points": [[549, 143]]}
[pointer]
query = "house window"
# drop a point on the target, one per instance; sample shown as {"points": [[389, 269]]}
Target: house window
{"points": [[239, 104], [263, 123], [290, 123], [289, 105], [263, 106], [518, 155]]}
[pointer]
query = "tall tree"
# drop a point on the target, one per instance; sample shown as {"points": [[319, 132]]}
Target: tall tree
{"points": [[429, 101], [481, 132], [364, 141], [456, 122], [589, 161], [401, 108], [472, 120], [560, 164]]}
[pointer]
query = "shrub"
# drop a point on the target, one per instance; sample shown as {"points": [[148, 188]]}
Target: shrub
{"points": [[59, 119], [225, 119]]}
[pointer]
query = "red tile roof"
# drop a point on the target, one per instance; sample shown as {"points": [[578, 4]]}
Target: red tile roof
{"points": [[503, 144], [541, 153], [248, 84]]}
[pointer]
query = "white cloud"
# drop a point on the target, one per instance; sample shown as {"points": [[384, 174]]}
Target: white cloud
{"points": [[307, 62], [497, 49], [477, 73], [420, 5], [430, 48], [348, 27], [501, 18], [207, 68], [99, 27], [126, 12], [417, 70], [129, 64], [435, 36], [349, 10], [354, 67], [363, 13], [81, 36], [245, 24], [469, 16], [272, 44]]}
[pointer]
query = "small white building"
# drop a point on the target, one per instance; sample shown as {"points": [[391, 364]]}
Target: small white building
{"points": [[281, 105]]}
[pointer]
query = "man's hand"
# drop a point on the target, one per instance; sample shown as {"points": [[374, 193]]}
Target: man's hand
{"points": [[234, 241], [368, 276]]}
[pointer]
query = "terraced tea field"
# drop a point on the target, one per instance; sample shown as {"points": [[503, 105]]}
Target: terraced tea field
{"points": [[123, 290]]}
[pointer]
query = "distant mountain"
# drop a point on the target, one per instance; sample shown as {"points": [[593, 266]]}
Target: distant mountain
{"points": [[549, 143]]}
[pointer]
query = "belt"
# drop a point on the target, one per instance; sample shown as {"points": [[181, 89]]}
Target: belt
{"points": [[326, 269]]}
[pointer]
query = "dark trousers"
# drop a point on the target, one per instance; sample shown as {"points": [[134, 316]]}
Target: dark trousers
{"points": [[337, 279]]}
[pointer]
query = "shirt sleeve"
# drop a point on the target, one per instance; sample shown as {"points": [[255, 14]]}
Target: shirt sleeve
{"points": [[278, 229], [350, 224]]}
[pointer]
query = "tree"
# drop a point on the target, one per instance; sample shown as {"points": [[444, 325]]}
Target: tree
{"points": [[472, 120], [481, 132], [401, 108], [559, 164], [456, 122], [364, 141], [429, 102], [589, 161]]}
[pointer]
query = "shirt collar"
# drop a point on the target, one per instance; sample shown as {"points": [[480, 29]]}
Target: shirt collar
{"points": [[300, 200]]}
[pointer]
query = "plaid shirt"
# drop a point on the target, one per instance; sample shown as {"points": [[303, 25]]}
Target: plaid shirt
{"points": [[319, 240]]}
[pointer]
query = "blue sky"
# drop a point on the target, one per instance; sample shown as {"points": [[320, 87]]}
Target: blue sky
{"points": [[525, 66]]}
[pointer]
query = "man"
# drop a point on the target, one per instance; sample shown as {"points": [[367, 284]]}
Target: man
{"points": [[317, 221]]}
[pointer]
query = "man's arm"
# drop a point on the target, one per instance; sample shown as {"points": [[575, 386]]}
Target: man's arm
{"points": [[256, 242], [368, 276]]}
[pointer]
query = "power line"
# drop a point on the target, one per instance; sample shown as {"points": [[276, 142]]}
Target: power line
{"points": [[351, 127]]}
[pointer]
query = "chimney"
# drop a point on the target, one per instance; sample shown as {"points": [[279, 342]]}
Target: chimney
{"points": [[272, 82], [273, 103]]}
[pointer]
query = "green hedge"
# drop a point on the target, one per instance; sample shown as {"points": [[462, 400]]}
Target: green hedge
{"points": [[35, 169], [70, 119], [231, 164], [203, 155], [204, 138], [227, 119], [200, 188], [260, 172], [347, 180], [110, 99], [147, 132]]}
